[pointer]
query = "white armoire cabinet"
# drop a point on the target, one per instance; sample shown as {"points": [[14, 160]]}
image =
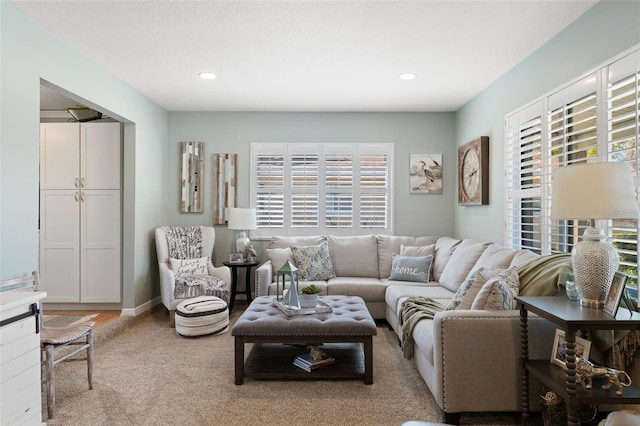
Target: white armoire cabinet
{"points": [[80, 224]]}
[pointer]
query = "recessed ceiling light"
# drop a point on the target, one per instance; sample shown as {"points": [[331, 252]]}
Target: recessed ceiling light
{"points": [[407, 76], [207, 75]]}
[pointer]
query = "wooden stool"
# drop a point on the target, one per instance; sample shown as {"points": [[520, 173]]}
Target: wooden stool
{"points": [[52, 339]]}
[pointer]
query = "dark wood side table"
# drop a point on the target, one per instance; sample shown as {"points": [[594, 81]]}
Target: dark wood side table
{"points": [[234, 279], [570, 317]]}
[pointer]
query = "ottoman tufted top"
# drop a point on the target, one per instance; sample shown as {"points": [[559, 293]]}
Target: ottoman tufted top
{"points": [[350, 317]]}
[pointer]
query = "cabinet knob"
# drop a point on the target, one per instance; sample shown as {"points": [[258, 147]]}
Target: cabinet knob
{"points": [[75, 196], [75, 182], [81, 182]]}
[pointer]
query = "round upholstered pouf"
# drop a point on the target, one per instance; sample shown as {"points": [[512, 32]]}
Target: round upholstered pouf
{"points": [[201, 316]]}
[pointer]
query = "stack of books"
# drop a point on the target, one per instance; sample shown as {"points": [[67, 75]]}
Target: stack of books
{"points": [[307, 363]]}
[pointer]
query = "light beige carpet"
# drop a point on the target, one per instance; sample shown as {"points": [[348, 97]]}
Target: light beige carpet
{"points": [[147, 375]]}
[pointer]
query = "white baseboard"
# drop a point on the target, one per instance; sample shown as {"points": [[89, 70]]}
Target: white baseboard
{"points": [[133, 312]]}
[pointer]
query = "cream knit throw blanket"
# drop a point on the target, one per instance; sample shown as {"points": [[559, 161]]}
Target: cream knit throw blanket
{"points": [[412, 311]]}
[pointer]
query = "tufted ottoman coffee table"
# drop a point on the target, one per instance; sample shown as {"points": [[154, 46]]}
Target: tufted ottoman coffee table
{"points": [[346, 334]]}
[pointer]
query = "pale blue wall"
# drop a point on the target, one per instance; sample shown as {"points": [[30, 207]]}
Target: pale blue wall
{"points": [[228, 132], [29, 54], [607, 29]]}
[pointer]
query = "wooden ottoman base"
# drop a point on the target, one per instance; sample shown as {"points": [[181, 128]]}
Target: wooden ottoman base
{"points": [[346, 335]]}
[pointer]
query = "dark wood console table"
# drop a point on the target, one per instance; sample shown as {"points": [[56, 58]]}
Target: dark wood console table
{"points": [[570, 317]]}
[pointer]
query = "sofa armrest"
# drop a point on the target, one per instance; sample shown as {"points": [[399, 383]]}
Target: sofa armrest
{"points": [[264, 274], [477, 356]]}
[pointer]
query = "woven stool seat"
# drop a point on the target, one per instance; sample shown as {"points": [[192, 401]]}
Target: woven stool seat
{"points": [[59, 335], [202, 315]]}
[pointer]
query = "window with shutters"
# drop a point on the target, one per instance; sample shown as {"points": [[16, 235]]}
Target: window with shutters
{"points": [[308, 189], [593, 119]]}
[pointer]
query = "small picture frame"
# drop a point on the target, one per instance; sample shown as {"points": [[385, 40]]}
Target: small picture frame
{"points": [[236, 257], [612, 302], [425, 173], [558, 351]]}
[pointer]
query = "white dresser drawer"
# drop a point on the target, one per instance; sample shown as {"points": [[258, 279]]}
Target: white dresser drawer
{"points": [[14, 331], [17, 365], [21, 404], [28, 343]]}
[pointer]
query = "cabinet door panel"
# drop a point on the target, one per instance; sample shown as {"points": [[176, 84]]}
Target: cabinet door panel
{"points": [[59, 155], [60, 245], [100, 161], [100, 247]]}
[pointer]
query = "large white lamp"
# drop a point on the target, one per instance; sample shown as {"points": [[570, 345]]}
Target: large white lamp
{"points": [[242, 220], [593, 191]]}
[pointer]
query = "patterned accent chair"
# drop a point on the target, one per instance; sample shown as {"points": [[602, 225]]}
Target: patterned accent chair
{"points": [[215, 282]]}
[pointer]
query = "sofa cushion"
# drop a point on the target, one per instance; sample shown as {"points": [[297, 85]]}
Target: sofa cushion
{"points": [[314, 262], [355, 256], [389, 244], [278, 257], [417, 250], [499, 292], [283, 242], [370, 289], [189, 267], [523, 256], [495, 256], [398, 291], [445, 246], [410, 268], [462, 260]]}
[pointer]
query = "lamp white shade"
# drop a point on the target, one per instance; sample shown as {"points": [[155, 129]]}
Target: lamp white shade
{"points": [[594, 191], [242, 219]]}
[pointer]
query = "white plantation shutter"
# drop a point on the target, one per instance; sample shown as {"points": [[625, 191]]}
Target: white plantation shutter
{"points": [[374, 189], [524, 179], [307, 189], [269, 188], [623, 131], [572, 119], [339, 186], [304, 186], [596, 118]]}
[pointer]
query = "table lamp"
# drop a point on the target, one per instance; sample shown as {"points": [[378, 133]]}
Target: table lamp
{"points": [[242, 220], [593, 191]]}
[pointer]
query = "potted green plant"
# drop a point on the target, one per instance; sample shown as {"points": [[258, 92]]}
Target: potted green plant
{"points": [[309, 296]]}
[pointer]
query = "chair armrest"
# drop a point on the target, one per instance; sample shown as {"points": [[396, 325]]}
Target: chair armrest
{"points": [[167, 284], [221, 272], [264, 278]]}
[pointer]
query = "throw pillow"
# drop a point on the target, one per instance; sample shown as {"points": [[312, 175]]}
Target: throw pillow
{"points": [[498, 293], [314, 262], [189, 267], [429, 250], [469, 289], [278, 257], [410, 268], [460, 292]]}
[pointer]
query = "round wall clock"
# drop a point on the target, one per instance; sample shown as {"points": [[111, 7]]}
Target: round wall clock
{"points": [[473, 172]]}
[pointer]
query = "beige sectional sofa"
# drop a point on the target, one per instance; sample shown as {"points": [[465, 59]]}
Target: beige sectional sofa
{"points": [[469, 359]]}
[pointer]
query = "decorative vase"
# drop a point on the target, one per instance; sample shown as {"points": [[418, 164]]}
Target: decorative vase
{"points": [[594, 262], [308, 300]]}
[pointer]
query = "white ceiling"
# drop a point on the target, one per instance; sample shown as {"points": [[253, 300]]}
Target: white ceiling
{"points": [[306, 55]]}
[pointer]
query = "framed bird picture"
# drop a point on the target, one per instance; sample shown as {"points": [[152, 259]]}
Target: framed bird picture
{"points": [[425, 173]]}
